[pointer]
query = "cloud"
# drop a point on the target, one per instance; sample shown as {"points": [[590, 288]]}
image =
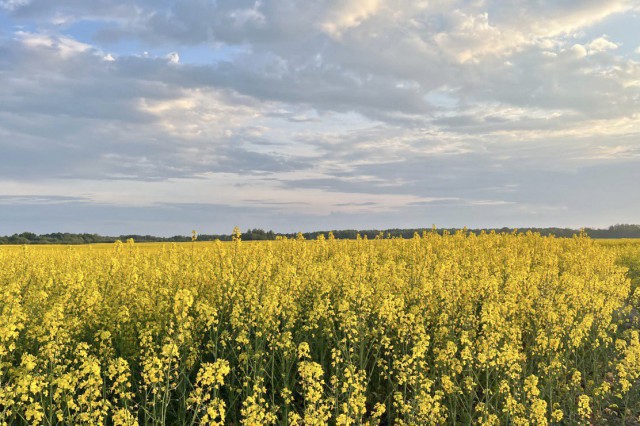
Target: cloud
{"points": [[348, 15], [616, 152], [64, 47], [13, 200], [398, 110], [13, 4], [173, 58], [601, 44]]}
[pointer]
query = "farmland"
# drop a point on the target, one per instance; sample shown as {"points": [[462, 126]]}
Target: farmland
{"points": [[436, 329]]}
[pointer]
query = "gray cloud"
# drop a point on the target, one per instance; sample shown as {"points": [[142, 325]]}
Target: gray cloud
{"points": [[457, 113], [34, 200]]}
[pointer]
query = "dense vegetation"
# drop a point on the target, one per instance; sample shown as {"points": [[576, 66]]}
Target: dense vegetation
{"points": [[435, 329], [615, 231]]}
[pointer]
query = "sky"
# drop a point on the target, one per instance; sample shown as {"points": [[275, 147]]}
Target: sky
{"points": [[159, 117]]}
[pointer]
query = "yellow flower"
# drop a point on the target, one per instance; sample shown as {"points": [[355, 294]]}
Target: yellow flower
{"points": [[584, 406]]}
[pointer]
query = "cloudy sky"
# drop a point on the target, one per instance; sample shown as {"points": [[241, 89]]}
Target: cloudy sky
{"points": [[160, 116]]}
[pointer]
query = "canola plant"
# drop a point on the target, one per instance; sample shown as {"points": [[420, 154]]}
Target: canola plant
{"points": [[438, 329]]}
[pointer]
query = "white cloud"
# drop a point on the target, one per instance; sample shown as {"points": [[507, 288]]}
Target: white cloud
{"points": [[616, 152], [173, 58], [601, 44], [13, 4], [346, 15], [242, 17], [64, 46], [578, 51]]}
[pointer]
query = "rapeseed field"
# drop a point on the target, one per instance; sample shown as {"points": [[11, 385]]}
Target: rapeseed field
{"points": [[438, 329]]}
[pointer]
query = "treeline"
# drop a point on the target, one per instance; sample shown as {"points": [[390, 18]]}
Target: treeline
{"points": [[55, 238], [615, 231]]}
